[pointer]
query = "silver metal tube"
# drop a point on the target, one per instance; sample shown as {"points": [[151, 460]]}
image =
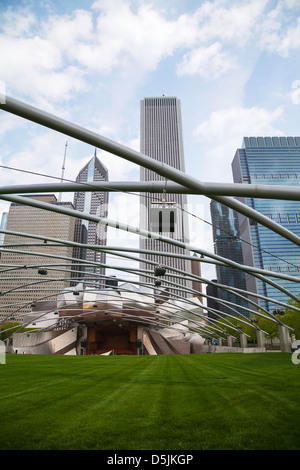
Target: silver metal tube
{"points": [[53, 122], [144, 233], [108, 249], [209, 189], [137, 259]]}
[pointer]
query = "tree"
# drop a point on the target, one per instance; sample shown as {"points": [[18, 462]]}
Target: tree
{"points": [[7, 329], [264, 324], [267, 325], [247, 329]]}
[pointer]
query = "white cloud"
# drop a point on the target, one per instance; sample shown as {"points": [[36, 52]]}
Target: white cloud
{"points": [[226, 128], [290, 41], [237, 121], [18, 22], [9, 122], [229, 22], [208, 62], [119, 169], [51, 58], [43, 153], [280, 30], [147, 36], [34, 66], [59, 56], [124, 38], [32, 60], [65, 32], [295, 93]]}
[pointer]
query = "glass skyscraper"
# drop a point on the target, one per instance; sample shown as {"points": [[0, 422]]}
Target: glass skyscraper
{"points": [[270, 161], [161, 139], [227, 243]]}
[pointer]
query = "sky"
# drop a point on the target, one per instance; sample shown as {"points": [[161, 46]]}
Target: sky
{"points": [[234, 65]]}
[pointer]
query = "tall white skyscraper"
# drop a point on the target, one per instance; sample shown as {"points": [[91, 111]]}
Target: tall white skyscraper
{"points": [[161, 138]]}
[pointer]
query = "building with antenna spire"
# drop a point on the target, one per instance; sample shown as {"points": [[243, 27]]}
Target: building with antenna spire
{"points": [[63, 169], [95, 203]]}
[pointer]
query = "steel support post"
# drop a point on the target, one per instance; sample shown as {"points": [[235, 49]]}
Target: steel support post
{"points": [[261, 339], [284, 338], [243, 340]]}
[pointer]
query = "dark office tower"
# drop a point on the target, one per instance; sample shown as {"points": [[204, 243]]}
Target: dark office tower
{"points": [[212, 304], [95, 203], [196, 271], [227, 243], [271, 161], [161, 139]]}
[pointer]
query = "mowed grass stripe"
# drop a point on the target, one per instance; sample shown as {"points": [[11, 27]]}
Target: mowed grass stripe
{"points": [[212, 401]]}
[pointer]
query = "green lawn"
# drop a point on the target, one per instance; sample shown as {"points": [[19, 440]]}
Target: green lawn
{"points": [[178, 402]]}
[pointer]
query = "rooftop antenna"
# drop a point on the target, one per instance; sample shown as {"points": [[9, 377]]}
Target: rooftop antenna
{"points": [[63, 170]]}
